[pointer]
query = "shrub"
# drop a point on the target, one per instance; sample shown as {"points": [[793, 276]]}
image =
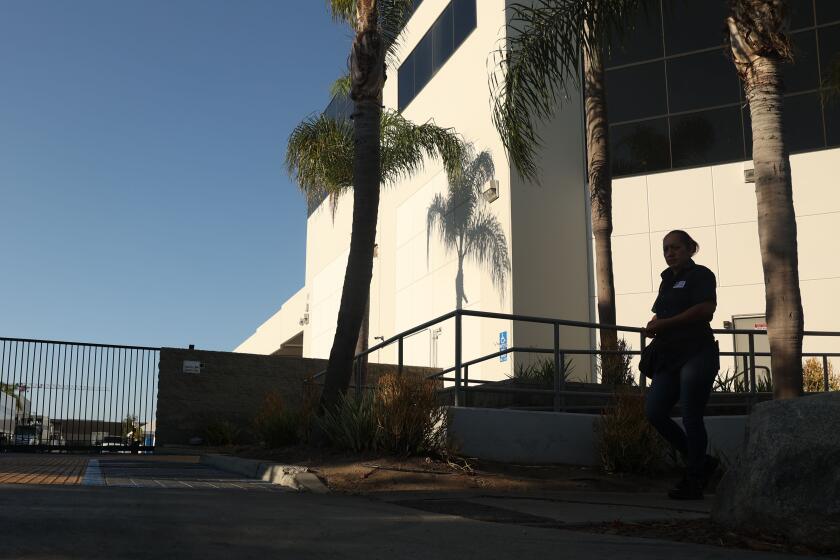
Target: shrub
{"points": [[408, 416], [352, 425], [275, 424], [541, 372], [625, 441], [221, 432], [813, 378], [614, 369], [399, 415]]}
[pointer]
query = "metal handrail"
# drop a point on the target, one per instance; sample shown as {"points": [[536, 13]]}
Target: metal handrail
{"points": [[461, 367]]}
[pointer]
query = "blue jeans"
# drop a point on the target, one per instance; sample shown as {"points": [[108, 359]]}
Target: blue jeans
{"points": [[691, 387]]}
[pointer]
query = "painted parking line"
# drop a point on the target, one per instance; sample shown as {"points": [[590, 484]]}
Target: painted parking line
{"points": [[93, 474]]}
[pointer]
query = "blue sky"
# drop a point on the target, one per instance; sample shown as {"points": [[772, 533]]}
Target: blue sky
{"points": [[143, 198]]}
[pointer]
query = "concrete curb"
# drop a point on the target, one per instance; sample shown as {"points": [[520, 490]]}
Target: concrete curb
{"points": [[290, 476]]}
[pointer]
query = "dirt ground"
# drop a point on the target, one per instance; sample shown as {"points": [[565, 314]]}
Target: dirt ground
{"points": [[375, 474], [371, 474]]}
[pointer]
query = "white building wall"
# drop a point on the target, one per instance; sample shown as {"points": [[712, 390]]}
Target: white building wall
{"points": [[279, 328], [718, 209]]}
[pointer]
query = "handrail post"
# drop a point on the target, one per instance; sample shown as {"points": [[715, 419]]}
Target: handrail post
{"points": [[753, 390], [466, 385], [400, 357], [558, 365], [642, 345], [458, 335], [825, 373]]}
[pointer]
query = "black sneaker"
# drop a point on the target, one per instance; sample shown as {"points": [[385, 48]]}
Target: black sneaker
{"points": [[689, 488]]}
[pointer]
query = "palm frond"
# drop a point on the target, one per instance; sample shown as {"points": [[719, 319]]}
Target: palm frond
{"points": [[406, 145], [532, 73], [319, 156], [341, 86], [486, 244]]}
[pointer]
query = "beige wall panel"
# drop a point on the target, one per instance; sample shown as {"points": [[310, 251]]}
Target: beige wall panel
{"points": [[821, 315], [681, 199], [734, 199], [630, 206], [631, 263], [817, 239], [739, 255], [815, 182]]}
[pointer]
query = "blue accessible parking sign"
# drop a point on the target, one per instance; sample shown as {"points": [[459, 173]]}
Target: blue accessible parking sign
{"points": [[503, 345]]}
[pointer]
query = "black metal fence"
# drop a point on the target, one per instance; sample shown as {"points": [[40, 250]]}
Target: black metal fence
{"points": [[75, 396]]}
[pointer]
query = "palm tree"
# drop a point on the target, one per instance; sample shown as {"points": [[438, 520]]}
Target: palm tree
{"points": [[760, 45], [533, 73], [321, 158], [462, 226]]}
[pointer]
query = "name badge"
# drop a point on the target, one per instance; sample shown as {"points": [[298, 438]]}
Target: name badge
{"points": [[680, 284]]}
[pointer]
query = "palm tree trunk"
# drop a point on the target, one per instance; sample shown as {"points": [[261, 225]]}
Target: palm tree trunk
{"points": [[776, 218], [367, 75], [600, 193], [776, 229]]}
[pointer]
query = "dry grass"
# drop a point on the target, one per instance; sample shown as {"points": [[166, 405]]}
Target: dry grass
{"points": [[625, 441], [275, 424]]}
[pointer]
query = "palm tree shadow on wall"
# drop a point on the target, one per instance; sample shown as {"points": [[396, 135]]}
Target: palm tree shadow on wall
{"points": [[465, 226]]}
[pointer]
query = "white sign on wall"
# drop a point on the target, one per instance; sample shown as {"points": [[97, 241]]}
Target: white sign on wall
{"points": [[191, 366]]}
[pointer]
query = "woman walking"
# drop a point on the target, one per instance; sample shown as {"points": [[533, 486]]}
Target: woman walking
{"points": [[686, 359]]}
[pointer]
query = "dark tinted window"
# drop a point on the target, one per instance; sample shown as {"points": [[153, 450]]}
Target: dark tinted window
{"points": [[831, 108], [803, 73], [636, 92], [639, 147], [434, 49], [691, 25], [442, 31], [707, 137], [465, 19], [405, 82], [424, 64], [640, 41], [803, 122], [801, 13], [828, 11], [701, 80], [708, 120], [829, 49]]}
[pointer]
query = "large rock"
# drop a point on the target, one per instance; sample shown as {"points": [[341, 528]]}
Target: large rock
{"points": [[787, 479]]}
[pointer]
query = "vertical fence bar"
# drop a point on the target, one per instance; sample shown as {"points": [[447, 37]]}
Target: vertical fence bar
{"points": [[753, 390], [400, 356], [7, 394], [642, 346], [65, 430], [826, 385], [38, 401], [558, 369], [458, 335], [466, 385], [54, 349]]}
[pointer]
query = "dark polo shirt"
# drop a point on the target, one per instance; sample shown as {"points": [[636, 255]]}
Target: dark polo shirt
{"points": [[677, 293]]}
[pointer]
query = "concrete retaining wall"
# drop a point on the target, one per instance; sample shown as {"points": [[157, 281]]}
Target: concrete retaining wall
{"points": [[515, 436]]}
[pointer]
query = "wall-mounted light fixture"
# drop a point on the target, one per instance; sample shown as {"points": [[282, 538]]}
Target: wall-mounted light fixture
{"points": [[749, 172], [490, 190]]}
